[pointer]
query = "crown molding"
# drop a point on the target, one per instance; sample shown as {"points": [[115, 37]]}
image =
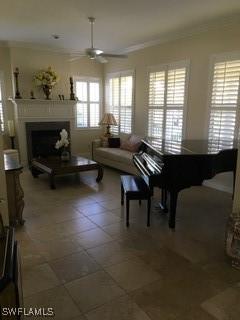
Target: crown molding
{"points": [[186, 32]]}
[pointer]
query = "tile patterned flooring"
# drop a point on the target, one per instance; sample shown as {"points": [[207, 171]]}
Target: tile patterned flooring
{"points": [[79, 258]]}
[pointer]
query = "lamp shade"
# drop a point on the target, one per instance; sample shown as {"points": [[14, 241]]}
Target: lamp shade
{"points": [[108, 119]]}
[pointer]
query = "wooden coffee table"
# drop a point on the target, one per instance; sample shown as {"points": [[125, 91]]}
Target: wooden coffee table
{"points": [[54, 166]]}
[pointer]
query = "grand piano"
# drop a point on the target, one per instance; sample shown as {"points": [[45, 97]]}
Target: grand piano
{"points": [[177, 165]]}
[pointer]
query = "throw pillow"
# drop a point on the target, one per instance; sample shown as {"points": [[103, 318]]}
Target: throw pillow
{"points": [[132, 143], [114, 142]]}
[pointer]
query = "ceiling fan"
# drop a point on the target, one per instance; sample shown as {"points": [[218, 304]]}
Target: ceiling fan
{"points": [[94, 53]]}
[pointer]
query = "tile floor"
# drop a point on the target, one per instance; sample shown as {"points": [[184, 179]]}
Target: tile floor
{"points": [[79, 258]]}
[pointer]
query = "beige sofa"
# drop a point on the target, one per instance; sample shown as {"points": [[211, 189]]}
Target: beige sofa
{"points": [[113, 157]]}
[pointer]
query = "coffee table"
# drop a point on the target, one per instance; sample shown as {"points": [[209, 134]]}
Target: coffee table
{"points": [[54, 166]]}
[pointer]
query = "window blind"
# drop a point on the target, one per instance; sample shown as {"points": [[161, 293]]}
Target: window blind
{"points": [[223, 124], [166, 103], [82, 114], [175, 103], [120, 101], [114, 103], [88, 106]]}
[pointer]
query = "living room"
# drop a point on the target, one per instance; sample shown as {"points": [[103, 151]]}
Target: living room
{"points": [[166, 83]]}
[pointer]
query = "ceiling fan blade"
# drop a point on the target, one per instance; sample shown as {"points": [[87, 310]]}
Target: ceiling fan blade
{"points": [[101, 59], [111, 55], [76, 56]]}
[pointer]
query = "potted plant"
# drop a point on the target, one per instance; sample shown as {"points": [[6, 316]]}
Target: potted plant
{"points": [[63, 143]]}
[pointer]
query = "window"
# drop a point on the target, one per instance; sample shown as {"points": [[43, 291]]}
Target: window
{"points": [[88, 106], [166, 102], [224, 104], [119, 94], [2, 125]]}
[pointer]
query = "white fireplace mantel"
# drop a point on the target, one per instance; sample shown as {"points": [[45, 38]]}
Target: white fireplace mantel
{"points": [[45, 109], [36, 110]]}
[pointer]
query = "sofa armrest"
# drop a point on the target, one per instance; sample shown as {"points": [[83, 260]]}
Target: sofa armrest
{"points": [[97, 143]]}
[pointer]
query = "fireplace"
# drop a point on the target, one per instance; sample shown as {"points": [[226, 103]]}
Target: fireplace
{"points": [[42, 136]]}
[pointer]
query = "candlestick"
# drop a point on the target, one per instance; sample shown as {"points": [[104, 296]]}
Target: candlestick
{"points": [[17, 94], [72, 95]]}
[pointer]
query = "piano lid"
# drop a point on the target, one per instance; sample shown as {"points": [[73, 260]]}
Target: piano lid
{"points": [[188, 147]]}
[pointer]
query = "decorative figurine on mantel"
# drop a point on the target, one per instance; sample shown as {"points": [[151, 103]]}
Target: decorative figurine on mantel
{"points": [[46, 79], [72, 95], [16, 74]]}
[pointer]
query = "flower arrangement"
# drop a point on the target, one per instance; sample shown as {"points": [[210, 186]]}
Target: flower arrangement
{"points": [[63, 142], [46, 77]]}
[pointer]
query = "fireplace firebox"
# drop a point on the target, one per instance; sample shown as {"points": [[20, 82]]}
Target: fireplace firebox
{"points": [[42, 137]]}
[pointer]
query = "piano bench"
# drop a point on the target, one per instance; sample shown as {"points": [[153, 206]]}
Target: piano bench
{"points": [[135, 188]]}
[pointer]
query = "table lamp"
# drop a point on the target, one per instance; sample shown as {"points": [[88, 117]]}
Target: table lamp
{"points": [[108, 120], [11, 132]]}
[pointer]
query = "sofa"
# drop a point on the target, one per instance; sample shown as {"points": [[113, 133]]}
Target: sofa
{"points": [[113, 157]]}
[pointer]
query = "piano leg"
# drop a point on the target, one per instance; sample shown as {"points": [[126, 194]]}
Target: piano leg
{"points": [[173, 206], [163, 203]]}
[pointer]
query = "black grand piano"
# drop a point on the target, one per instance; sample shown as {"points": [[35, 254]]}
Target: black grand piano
{"points": [[176, 165]]}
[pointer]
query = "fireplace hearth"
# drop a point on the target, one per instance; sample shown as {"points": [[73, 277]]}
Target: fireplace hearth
{"points": [[42, 137]]}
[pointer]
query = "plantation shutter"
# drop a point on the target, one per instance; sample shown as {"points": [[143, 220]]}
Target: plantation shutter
{"points": [[120, 101], [156, 104], [224, 103], [113, 105], [82, 112], [88, 106], [176, 80], [166, 104], [126, 104], [94, 101]]}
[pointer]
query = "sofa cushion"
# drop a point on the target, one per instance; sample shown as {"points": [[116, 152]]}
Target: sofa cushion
{"points": [[132, 144], [115, 154]]}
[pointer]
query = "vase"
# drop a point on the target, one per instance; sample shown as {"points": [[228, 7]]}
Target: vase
{"points": [[47, 91], [65, 155]]}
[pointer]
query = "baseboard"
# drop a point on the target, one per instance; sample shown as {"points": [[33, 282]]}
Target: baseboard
{"points": [[218, 186]]}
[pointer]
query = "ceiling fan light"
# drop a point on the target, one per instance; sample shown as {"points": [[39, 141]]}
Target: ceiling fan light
{"points": [[98, 51]]}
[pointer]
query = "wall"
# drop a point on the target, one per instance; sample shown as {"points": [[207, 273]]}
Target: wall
{"points": [[198, 49], [29, 61]]}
